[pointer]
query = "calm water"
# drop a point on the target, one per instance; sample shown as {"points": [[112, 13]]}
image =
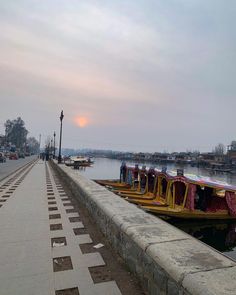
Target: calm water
{"points": [[219, 235]]}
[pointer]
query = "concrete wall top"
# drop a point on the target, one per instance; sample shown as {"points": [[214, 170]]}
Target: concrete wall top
{"points": [[194, 267]]}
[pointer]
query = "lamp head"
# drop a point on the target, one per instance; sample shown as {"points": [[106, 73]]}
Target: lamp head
{"points": [[62, 116]]}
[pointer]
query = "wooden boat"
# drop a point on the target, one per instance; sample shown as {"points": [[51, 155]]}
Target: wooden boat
{"points": [[113, 183], [127, 181], [158, 196], [176, 195], [139, 183], [146, 188], [197, 197]]}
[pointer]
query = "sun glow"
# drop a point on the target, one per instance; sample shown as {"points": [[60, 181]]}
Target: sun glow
{"points": [[81, 121]]}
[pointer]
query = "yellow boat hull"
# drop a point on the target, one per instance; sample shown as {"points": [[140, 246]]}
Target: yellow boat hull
{"points": [[137, 195], [147, 202], [113, 184]]}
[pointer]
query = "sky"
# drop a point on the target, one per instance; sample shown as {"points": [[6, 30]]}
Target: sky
{"points": [[134, 75]]}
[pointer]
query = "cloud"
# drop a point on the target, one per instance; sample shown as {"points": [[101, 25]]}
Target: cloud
{"points": [[151, 70]]}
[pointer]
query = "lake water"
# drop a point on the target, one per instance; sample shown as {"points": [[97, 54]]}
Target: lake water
{"points": [[220, 235]]}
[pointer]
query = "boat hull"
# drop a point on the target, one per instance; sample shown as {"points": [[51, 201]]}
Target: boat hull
{"points": [[113, 183]]}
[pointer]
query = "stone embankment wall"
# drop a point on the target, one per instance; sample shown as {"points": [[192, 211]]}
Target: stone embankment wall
{"points": [[165, 259]]}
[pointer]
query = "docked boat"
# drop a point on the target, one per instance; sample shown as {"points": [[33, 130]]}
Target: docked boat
{"points": [[173, 194], [111, 182], [158, 195], [80, 161], [197, 197], [127, 182], [138, 178]]}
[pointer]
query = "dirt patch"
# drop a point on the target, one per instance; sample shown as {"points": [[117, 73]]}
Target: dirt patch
{"points": [[74, 219], [67, 204], [54, 216], [80, 231], [57, 226], [71, 291], [100, 274], [87, 248], [71, 210], [52, 208], [62, 263], [58, 242]]}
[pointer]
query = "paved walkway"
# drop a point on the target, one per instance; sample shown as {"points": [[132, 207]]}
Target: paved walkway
{"points": [[11, 165], [39, 251]]}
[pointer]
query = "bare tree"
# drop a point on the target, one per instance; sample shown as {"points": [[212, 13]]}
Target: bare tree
{"points": [[33, 145], [219, 149]]}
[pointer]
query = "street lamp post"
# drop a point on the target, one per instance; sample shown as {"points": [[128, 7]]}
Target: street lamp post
{"points": [[51, 149], [59, 156], [54, 148]]}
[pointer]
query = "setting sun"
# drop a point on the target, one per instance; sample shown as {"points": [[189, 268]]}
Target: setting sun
{"points": [[81, 121]]}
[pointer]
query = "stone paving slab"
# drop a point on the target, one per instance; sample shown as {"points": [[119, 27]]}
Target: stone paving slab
{"points": [[146, 235], [40, 284], [181, 257], [198, 282], [27, 257]]}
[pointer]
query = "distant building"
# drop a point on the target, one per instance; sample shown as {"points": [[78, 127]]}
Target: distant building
{"points": [[231, 153]]}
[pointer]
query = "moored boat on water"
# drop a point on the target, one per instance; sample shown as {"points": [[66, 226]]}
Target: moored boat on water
{"points": [[80, 161], [127, 181], [174, 194], [158, 195], [197, 197], [138, 178]]}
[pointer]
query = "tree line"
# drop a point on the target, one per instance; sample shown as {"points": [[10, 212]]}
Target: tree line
{"points": [[16, 135]]}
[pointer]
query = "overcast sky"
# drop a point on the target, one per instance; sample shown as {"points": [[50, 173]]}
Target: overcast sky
{"points": [[131, 75]]}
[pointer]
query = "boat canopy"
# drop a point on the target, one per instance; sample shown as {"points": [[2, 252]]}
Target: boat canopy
{"points": [[207, 181], [197, 179]]}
